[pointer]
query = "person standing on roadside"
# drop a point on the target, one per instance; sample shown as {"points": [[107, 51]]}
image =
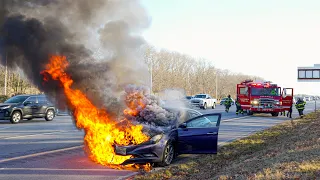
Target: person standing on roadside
{"points": [[289, 114], [238, 105], [227, 103], [300, 106]]}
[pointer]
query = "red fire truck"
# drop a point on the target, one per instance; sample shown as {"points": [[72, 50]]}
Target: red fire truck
{"points": [[264, 97]]}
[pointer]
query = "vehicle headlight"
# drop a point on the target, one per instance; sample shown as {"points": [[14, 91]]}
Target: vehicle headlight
{"points": [[277, 102], [156, 138], [5, 107], [201, 101], [255, 102]]}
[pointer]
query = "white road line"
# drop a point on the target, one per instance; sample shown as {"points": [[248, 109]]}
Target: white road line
{"points": [[230, 119], [39, 154], [56, 169], [127, 176], [14, 137], [5, 127]]}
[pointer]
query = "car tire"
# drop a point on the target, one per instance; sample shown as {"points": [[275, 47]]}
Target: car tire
{"points": [[168, 155], [250, 113], [205, 106], [16, 117], [275, 114], [49, 115], [214, 106]]}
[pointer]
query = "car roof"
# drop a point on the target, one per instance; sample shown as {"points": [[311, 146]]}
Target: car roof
{"points": [[32, 95]]}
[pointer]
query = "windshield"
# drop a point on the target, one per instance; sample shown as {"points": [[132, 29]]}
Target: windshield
{"points": [[265, 92], [200, 96], [16, 99]]}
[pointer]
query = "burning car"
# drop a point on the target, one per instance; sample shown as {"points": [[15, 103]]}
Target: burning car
{"points": [[195, 134]]}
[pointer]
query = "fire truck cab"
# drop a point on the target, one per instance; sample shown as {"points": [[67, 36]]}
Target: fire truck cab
{"points": [[264, 97]]}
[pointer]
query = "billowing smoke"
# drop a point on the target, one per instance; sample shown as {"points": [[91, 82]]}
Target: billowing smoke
{"points": [[101, 40], [146, 107]]}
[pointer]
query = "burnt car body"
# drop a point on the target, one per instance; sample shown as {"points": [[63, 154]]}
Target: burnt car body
{"points": [[198, 134]]}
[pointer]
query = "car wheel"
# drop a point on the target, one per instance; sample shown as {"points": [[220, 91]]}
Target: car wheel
{"points": [[214, 106], [168, 155], [49, 115], [205, 106], [15, 117]]}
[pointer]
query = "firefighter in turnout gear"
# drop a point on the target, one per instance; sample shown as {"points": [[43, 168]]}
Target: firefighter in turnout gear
{"points": [[289, 114], [300, 107], [238, 105], [227, 103]]}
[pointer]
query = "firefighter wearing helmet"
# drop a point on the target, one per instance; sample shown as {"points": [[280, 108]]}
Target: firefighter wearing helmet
{"points": [[238, 105], [227, 103], [300, 106]]}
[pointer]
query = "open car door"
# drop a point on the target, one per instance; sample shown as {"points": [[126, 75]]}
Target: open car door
{"points": [[199, 135], [287, 98]]}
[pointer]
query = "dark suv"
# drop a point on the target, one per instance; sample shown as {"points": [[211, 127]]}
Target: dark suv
{"points": [[27, 107]]}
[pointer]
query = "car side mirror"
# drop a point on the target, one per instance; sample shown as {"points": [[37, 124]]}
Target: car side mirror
{"points": [[183, 125]]}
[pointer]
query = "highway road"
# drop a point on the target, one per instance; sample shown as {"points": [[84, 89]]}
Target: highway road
{"points": [[53, 150]]}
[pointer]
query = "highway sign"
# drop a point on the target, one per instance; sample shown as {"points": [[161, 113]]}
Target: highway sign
{"points": [[309, 74]]}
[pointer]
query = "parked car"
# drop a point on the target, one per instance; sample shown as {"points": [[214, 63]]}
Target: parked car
{"points": [[196, 134], [27, 107], [203, 101], [189, 97], [224, 100]]}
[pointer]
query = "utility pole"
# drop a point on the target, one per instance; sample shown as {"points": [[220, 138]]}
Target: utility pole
{"points": [[216, 85], [6, 76]]}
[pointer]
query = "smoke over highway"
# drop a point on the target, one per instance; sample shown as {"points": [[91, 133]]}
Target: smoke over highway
{"points": [[101, 40]]}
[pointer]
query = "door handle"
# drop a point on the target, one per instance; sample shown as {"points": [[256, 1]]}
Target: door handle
{"points": [[212, 133]]}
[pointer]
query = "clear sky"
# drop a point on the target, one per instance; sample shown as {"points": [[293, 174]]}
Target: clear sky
{"points": [[256, 37]]}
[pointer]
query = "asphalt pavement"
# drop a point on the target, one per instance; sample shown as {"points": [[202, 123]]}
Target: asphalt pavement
{"points": [[38, 149]]}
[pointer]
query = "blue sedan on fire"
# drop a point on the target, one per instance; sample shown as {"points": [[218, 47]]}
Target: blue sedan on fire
{"points": [[197, 134]]}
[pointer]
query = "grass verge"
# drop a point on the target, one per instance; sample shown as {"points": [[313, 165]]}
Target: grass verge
{"points": [[290, 150]]}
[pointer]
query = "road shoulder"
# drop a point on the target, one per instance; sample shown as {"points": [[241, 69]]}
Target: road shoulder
{"points": [[288, 150]]}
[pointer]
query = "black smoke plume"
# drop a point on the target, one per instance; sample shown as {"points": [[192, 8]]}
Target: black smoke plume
{"points": [[101, 40]]}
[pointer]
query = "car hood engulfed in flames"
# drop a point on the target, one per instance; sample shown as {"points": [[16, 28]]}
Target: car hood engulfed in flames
{"points": [[102, 132]]}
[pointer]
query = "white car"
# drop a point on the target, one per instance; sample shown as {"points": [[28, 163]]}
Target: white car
{"points": [[203, 101]]}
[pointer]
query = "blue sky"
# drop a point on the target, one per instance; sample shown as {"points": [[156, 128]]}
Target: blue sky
{"points": [[265, 38]]}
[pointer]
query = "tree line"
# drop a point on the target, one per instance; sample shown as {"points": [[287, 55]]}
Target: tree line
{"points": [[16, 84], [176, 70], [169, 70]]}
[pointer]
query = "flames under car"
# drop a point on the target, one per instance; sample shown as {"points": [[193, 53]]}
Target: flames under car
{"points": [[197, 135]]}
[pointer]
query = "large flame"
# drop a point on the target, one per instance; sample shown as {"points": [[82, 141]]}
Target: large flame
{"points": [[101, 131]]}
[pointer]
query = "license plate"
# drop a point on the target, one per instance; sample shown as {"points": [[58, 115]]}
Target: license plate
{"points": [[121, 150]]}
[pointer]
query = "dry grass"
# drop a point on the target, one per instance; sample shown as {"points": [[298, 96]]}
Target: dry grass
{"points": [[287, 151]]}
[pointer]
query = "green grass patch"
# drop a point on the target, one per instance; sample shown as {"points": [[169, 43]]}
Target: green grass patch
{"points": [[286, 151]]}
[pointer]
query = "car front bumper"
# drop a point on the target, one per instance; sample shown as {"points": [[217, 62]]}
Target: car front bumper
{"points": [[4, 115], [143, 153], [197, 104], [265, 110]]}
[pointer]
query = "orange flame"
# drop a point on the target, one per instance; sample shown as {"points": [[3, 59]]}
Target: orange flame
{"points": [[135, 102], [101, 132]]}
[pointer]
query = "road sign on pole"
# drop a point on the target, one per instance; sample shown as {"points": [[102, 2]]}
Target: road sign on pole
{"points": [[309, 74]]}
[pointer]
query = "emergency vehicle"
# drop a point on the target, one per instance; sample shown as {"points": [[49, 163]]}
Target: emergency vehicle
{"points": [[264, 97]]}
